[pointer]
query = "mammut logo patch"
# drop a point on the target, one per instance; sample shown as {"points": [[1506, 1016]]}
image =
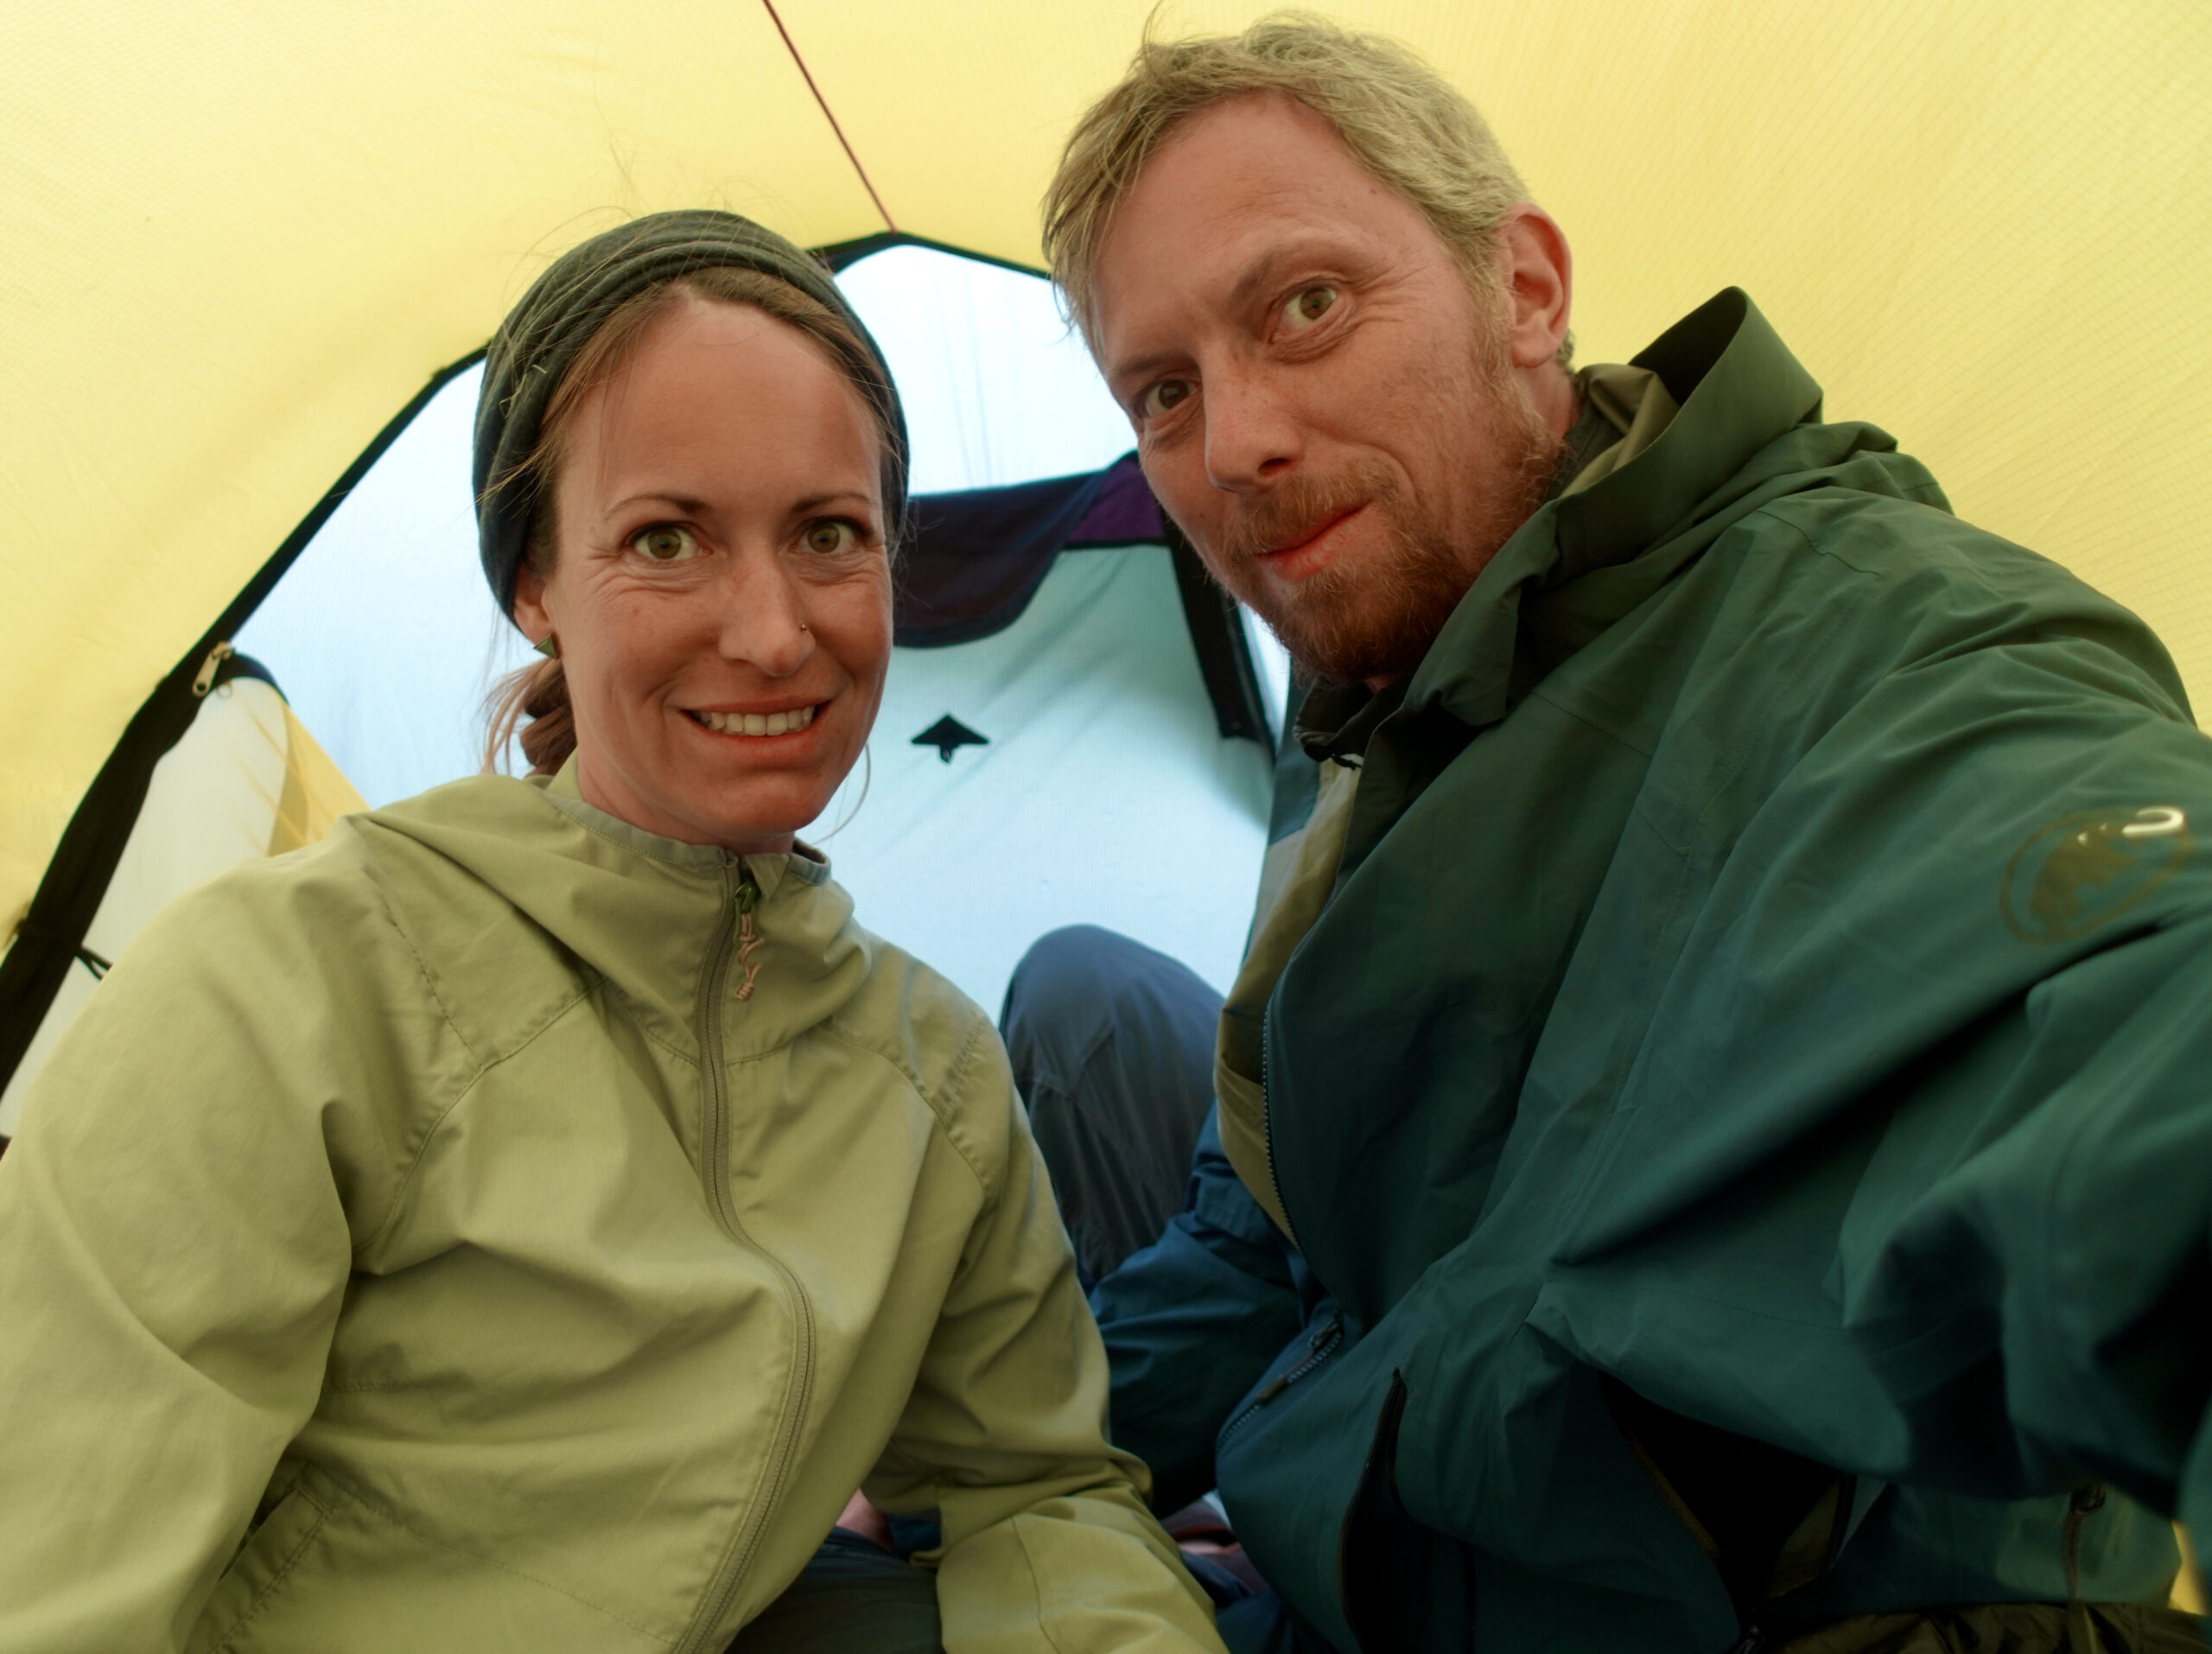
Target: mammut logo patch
{"points": [[2077, 872]]}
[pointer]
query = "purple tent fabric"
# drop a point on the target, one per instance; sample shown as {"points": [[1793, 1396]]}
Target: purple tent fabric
{"points": [[974, 559]]}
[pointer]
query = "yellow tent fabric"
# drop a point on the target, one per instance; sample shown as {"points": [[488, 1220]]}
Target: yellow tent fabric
{"points": [[239, 235]]}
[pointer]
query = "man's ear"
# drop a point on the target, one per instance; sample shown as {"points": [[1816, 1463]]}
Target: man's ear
{"points": [[1539, 283], [530, 611]]}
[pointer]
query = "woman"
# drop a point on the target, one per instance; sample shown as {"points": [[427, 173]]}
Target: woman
{"points": [[521, 1221]]}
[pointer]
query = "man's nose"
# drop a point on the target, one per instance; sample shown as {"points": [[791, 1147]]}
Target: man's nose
{"points": [[761, 617], [1251, 435]]}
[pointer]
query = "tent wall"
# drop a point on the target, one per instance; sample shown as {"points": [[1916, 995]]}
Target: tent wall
{"points": [[1106, 794], [246, 781]]}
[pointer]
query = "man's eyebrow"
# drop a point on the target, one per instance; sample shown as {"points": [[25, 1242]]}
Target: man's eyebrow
{"points": [[1265, 269], [1142, 366], [1261, 273]]}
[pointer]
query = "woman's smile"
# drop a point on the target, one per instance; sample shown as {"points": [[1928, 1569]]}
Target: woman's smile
{"points": [[753, 726]]}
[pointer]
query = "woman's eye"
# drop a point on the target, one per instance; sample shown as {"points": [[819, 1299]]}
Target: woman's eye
{"points": [[832, 537], [1164, 396], [1307, 307], [667, 543]]}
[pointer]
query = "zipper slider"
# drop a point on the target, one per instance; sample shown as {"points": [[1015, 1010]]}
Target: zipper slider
{"points": [[747, 898]]}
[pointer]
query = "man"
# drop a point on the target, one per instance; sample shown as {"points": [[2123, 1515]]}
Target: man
{"points": [[1719, 1092]]}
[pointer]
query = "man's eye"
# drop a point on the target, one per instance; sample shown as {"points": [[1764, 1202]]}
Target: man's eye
{"points": [[665, 542], [1164, 396], [832, 536], [1307, 307]]}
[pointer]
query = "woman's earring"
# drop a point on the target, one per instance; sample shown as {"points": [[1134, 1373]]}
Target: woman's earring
{"points": [[549, 645]]}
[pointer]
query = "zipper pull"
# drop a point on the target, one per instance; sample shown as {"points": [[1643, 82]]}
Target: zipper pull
{"points": [[747, 897]]}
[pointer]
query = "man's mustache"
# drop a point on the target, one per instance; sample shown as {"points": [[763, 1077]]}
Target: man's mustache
{"points": [[1293, 511]]}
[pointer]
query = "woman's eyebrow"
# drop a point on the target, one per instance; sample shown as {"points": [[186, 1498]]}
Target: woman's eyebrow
{"points": [[815, 502], [687, 505]]}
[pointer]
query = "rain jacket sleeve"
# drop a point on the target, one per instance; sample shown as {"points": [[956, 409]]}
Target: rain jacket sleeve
{"points": [[1047, 1542], [1192, 1323], [174, 1248]]}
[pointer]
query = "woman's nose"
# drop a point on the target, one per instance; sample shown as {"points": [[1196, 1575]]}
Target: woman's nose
{"points": [[762, 620]]}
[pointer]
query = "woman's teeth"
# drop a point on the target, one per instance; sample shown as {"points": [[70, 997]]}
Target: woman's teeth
{"points": [[757, 723]]}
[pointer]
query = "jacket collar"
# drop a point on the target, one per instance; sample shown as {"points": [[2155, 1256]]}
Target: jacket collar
{"points": [[802, 862], [1583, 561], [646, 915]]}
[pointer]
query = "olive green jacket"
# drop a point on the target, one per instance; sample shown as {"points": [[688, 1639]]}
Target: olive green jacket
{"points": [[383, 1268]]}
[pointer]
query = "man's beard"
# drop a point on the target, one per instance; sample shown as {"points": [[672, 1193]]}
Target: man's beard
{"points": [[1373, 622]]}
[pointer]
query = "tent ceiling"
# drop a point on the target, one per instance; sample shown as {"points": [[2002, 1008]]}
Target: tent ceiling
{"points": [[240, 235]]}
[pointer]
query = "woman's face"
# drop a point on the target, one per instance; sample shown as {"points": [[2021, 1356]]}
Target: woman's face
{"points": [[720, 591]]}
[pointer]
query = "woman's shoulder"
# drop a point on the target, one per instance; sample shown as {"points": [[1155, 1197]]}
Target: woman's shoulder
{"points": [[914, 1017], [347, 878], [365, 914]]}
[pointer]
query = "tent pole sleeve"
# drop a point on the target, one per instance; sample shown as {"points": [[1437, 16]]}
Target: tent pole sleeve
{"points": [[47, 942], [1217, 634]]}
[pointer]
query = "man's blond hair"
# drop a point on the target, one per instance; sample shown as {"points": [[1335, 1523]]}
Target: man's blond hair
{"points": [[1402, 121]]}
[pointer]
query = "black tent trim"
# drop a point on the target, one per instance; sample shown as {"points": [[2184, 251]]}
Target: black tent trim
{"points": [[1225, 650], [51, 938], [839, 256]]}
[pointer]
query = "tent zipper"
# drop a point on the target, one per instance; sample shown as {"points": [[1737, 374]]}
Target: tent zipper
{"points": [[741, 895]]}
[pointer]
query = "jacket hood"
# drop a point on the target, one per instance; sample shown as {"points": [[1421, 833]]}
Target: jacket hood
{"points": [[644, 914], [1748, 430]]}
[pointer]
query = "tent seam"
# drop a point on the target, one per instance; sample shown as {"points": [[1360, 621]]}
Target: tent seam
{"points": [[830, 115]]}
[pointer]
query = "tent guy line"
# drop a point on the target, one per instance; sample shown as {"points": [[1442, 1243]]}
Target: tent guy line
{"points": [[830, 115]]}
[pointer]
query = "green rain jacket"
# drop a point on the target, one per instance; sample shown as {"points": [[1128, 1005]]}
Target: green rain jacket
{"points": [[423, 1242], [1761, 1028]]}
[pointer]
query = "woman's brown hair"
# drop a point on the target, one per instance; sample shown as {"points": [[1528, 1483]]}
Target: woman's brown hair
{"points": [[531, 704]]}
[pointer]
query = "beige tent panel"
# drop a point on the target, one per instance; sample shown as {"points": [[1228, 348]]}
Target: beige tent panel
{"points": [[240, 237], [246, 781]]}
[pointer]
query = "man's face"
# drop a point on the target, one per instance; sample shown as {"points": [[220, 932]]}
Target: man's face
{"points": [[1321, 401]]}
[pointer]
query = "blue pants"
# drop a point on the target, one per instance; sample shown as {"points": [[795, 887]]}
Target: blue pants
{"points": [[1112, 1046]]}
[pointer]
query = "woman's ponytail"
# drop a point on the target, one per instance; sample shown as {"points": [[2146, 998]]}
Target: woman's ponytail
{"points": [[531, 704]]}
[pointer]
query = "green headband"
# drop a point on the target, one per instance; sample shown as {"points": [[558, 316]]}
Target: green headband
{"points": [[571, 301]]}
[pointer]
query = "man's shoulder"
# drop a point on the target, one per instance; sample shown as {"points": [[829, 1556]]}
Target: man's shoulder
{"points": [[1898, 538], [1882, 584]]}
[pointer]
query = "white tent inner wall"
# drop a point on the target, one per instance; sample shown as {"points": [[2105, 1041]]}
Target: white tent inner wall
{"points": [[1106, 795]]}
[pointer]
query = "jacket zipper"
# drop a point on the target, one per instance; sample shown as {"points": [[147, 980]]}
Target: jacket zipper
{"points": [[740, 896], [1321, 1346]]}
